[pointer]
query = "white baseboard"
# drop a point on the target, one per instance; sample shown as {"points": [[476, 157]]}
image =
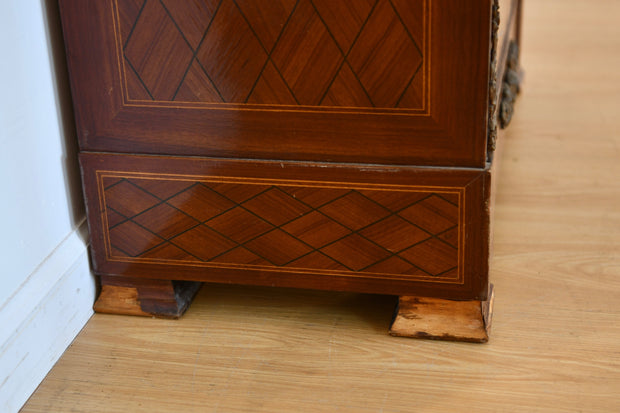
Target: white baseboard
{"points": [[42, 318]]}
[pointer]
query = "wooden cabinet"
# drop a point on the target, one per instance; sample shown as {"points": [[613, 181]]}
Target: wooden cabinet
{"points": [[330, 144]]}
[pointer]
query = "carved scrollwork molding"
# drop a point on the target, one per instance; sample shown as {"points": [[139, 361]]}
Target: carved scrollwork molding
{"points": [[492, 138], [510, 86], [501, 101]]}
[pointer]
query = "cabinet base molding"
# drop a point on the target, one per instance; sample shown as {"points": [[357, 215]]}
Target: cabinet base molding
{"points": [[437, 319], [145, 297]]}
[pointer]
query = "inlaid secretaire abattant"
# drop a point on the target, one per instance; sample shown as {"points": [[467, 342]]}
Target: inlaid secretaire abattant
{"points": [[328, 144]]}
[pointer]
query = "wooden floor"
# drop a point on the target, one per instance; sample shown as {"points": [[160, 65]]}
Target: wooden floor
{"points": [[555, 342]]}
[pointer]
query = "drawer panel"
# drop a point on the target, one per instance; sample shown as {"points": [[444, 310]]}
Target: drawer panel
{"points": [[372, 81], [370, 229]]}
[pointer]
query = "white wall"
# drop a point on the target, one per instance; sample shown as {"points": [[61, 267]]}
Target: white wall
{"points": [[44, 274]]}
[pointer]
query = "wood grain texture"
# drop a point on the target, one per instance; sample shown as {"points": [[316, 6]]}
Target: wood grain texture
{"points": [[145, 297], [437, 319], [387, 230], [384, 81], [555, 340], [118, 300]]}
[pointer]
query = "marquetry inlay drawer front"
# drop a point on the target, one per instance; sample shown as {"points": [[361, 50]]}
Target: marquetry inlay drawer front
{"points": [[363, 53], [413, 233], [308, 80], [218, 218]]}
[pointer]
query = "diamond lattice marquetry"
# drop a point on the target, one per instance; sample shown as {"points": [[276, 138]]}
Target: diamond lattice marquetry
{"points": [[165, 220], [362, 53], [203, 243], [157, 52], [307, 56], [128, 199], [235, 64], [267, 19], [433, 214], [413, 233], [192, 16], [240, 225], [386, 64], [316, 229], [345, 19]]}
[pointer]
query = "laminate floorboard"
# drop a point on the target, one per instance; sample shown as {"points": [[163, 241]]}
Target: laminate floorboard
{"points": [[555, 340]]}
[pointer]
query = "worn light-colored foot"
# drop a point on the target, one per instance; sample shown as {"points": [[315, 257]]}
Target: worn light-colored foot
{"points": [[145, 297], [433, 318]]}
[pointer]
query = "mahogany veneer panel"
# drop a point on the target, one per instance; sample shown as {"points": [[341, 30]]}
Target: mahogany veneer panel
{"points": [[371, 229], [372, 81]]}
